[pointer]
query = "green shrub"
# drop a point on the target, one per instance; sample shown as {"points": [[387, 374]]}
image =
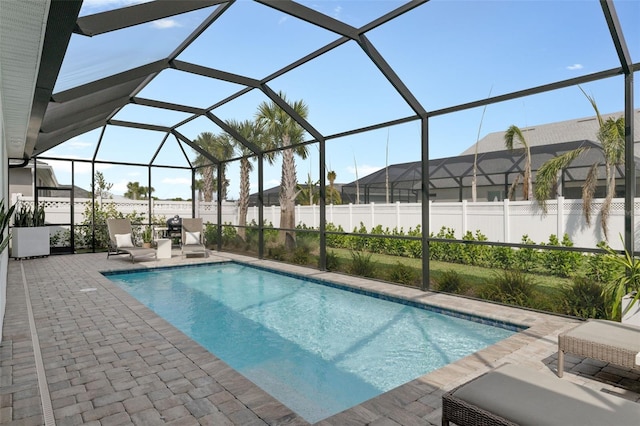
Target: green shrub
{"points": [[512, 287], [525, 258], [582, 298], [561, 263], [413, 248], [333, 261], [210, 234], [301, 255], [334, 240], [401, 273], [450, 282], [361, 264], [599, 267], [278, 252], [503, 257], [476, 254]]}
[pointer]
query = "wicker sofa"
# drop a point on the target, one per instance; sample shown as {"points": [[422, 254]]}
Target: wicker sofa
{"points": [[607, 341], [515, 395]]}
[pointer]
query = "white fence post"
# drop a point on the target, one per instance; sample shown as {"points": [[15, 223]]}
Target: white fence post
{"points": [[398, 224], [373, 215], [464, 218], [313, 211], [560, 216], [331, 213], [428, 231], [273, 216], [350, 217], [506, 220]]}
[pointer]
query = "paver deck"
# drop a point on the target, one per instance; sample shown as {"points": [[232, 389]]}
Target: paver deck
{"points": [[98, 356]]}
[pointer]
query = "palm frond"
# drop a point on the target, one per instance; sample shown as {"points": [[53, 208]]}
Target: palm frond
{"points": [[512, 135], [547, 174], [592, 101], [588, 191]]}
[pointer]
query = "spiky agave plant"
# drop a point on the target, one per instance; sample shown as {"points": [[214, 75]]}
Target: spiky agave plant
{"points": [[5, 217], [627, 280]]}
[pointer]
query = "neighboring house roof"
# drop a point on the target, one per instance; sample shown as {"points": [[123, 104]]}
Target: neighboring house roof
{"points": [[562, 131], [493, 166], [272, 194]]}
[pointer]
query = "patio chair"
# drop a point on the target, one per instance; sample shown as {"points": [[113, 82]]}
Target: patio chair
{"points": [[121, 241], [516, 395], [192, 237], [607, 341]]}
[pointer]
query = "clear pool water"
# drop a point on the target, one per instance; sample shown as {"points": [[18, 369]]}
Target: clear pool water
{"points": [[316, 348]]}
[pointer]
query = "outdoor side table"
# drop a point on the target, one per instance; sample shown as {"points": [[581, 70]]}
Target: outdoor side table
{"points": [[164, 248]]}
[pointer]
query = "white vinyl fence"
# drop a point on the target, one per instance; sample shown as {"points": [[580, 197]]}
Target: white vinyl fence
{"points": [[504, 221]]}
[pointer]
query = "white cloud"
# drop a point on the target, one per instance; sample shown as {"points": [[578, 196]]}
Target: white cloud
{"points": [[81, 167], [176, 181], [119, 187], [76, 143], [575, 67], [283, 19], [363, 170], [336, 12], [163, 24]]}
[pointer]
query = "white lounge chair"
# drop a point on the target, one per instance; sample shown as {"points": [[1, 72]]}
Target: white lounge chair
{"points": [[121, 240], [192, 230]]}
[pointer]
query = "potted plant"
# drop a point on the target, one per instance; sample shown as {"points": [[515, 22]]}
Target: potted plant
{"points": [[30, 236], [4, 224], [147, 237], [623, 291]]}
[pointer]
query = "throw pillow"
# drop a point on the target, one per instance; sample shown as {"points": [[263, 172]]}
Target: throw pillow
{"points": [[123, 240], [192, 238]]}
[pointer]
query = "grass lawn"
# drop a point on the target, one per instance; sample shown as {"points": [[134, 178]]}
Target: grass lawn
{"points": [[473, 275]]}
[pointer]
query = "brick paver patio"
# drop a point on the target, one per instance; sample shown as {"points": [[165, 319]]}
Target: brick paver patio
{"points": [[108, 360]]}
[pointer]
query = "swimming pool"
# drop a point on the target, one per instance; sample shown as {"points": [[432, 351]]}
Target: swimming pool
{"points": [[316, 348]]}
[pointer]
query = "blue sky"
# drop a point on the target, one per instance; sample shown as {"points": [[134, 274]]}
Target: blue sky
{"points": [[447, 52]]}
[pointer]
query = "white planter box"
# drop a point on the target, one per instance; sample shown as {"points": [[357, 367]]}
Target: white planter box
{"points": [[30, 242], [633, 316]]}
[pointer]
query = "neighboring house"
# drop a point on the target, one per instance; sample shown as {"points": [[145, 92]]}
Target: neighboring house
{"points": [[21, 182], [21, 178], [270, 197], [450, 178]]}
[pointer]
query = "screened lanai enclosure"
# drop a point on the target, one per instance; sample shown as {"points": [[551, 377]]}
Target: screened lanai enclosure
{"points": [[187, 107]]}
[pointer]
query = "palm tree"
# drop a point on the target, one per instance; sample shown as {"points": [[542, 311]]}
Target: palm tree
{"points": [[333, 195], [205, 169], [253, 133], [307, 193], [283, 132], [611, 136], [223, 149], [512, 135], [137, 192]]}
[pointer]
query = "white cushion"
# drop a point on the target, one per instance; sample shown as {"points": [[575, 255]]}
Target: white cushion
{"points": [[123, 240], [192, 238]]}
